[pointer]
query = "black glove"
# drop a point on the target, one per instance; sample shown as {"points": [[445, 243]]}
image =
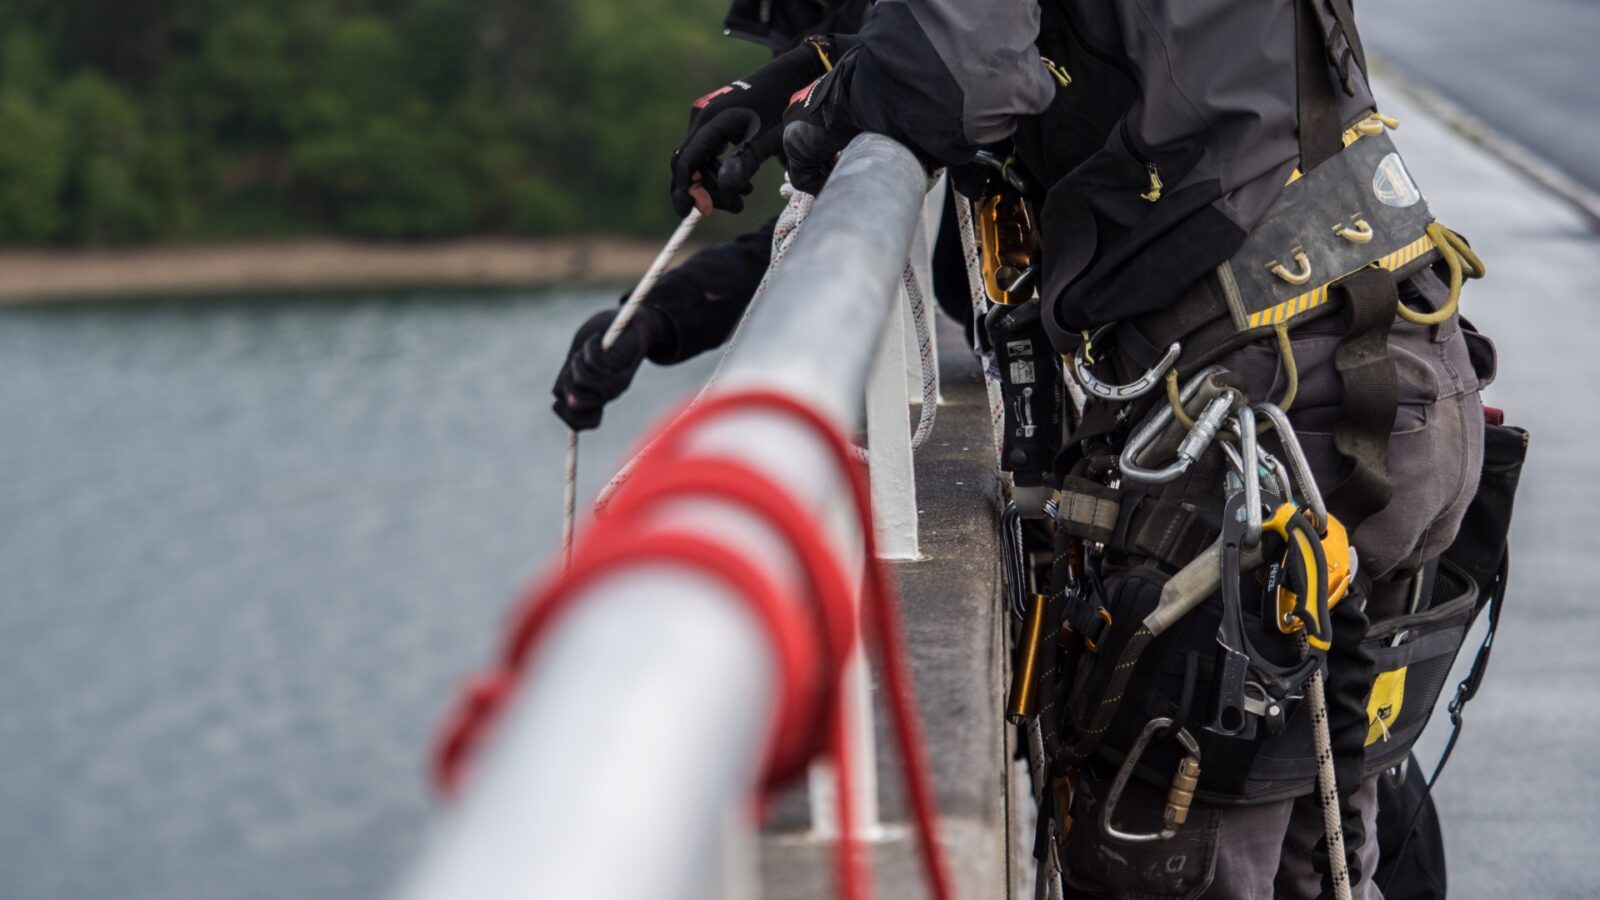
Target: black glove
{"points": [[746, 114], [592, 377], [810, 145]]}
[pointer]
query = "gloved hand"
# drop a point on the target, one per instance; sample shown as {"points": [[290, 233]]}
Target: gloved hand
{"points": [[592, 377], [748, 115], [810, 145]]}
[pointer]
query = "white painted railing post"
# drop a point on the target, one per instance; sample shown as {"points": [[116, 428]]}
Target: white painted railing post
{"points": [[894, 486]]}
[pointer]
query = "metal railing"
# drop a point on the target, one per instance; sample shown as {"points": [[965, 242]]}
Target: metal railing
{"points": [[624, 764]]}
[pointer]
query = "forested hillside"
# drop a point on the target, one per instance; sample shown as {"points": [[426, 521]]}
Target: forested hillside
{"points": [[135, 120]]}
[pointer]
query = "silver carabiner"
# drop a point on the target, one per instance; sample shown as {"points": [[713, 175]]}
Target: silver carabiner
{"points": [[1297, 460], [1180, 795], [1120, 393], [1193, 445], [1244, 423]]}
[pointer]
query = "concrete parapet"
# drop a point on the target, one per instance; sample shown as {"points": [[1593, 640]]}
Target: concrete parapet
{"points": [[954, 616]]}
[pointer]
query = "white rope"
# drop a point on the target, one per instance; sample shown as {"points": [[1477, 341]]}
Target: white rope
{"points": [[783, 234], [930, 372], [980, 308], [630, 308], [1327, 785]]}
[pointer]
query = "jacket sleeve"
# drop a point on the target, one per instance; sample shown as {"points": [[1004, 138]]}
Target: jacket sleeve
{"points": [[704, 299], [943, 76]]}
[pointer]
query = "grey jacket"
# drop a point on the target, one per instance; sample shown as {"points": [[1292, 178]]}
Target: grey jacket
{"points": [[1176, 131]]}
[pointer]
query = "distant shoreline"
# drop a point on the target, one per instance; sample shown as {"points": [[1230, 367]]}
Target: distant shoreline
{"points": [[34, 276]]}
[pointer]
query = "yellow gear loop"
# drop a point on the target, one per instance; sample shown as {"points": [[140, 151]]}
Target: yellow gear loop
{"points": [[1463, 264]]}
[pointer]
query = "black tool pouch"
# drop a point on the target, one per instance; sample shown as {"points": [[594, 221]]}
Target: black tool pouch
{"points": [[1412, 656], [1175, 678]]}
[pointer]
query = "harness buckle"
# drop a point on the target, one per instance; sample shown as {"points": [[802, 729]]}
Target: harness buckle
{"points": [[1089, 621], [1180, 792]]}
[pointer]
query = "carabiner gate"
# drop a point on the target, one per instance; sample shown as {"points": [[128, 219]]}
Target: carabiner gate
{"points": [[1180, 796]]}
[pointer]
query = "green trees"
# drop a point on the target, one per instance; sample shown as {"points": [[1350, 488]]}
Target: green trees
{"points": [[382, 118]]}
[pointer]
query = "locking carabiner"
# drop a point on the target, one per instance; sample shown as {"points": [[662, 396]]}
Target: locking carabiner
{"points": [[1279, 421], [1180, 795], [1194, 444]]}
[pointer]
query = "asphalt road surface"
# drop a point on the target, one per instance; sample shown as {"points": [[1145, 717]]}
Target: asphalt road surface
{"points": [[1530, 69], [1518, 795]]}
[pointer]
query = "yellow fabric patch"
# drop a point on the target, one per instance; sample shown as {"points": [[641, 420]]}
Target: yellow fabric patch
{"points": [[1383, 707]]}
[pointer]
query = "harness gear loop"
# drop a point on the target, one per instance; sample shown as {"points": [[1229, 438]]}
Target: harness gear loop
{"points": [[1119, 393], [1299, 276], [1180, 795], [1358, 231]]}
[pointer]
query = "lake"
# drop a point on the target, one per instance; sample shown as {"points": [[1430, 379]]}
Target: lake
{"points": [[247, 550]]}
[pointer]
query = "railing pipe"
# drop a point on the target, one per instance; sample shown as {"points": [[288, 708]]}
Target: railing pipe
{"points": [[637, 733]]}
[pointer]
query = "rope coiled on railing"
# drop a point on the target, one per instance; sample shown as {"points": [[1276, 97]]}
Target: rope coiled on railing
{"points": [[810, 649]]}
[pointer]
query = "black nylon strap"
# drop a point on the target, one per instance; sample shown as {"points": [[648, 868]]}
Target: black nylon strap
{"points": [[1128, 522], [1352, 51], [1321, 134], [1371, 395], [1169, 533], [1143, 339], [1089, 509]]}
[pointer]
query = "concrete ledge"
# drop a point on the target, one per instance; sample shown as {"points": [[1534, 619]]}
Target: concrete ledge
{"points": [[954, 620]]}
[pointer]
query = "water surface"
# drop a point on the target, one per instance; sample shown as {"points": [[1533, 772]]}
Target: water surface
{"points": [[247, 548]]}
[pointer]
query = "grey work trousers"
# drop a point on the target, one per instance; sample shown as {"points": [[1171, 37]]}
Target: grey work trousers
{"points": [[1435, 456]]}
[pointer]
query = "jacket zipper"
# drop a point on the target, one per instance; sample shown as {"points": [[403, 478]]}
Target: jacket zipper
{"points": [[1154, 193], [1155, 186]]}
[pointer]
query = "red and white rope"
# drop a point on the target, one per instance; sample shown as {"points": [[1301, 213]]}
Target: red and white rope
{"points": [[980, 307]]}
